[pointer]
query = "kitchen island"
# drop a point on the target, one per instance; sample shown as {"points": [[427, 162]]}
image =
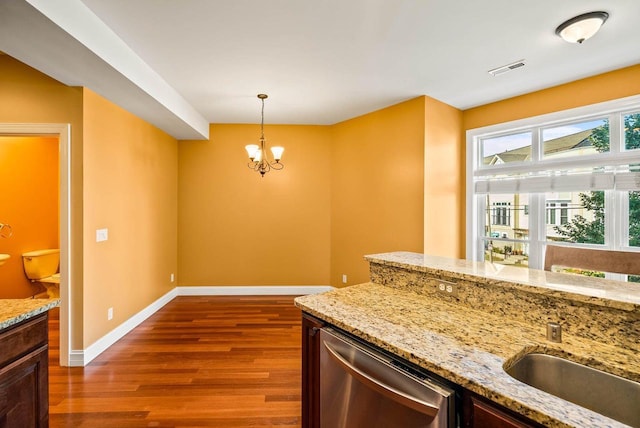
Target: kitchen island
{"points": [[466, 321], [24, 362]]}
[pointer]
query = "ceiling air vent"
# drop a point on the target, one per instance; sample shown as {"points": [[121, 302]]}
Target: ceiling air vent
{"points": [[506, 68]]}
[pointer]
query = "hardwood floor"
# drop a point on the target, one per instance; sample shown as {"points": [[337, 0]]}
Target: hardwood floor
{"points": [[198, 362]]}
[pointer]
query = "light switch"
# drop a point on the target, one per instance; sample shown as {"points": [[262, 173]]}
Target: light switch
{"points": [[102, 235]]}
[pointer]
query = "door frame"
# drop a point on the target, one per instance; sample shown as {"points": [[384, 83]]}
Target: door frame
{"points": [[63, 131]]}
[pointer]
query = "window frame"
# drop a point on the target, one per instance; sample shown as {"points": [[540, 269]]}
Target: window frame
{"points": [[616, 224]]}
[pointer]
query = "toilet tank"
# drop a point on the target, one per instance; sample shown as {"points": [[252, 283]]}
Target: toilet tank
{"points": [[41, 263]]}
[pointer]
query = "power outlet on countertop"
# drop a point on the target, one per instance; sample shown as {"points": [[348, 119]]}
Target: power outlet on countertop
{"points": [[448, 288]]}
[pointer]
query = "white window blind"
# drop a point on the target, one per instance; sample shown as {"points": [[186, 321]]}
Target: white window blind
{"points": [[559, 183]]}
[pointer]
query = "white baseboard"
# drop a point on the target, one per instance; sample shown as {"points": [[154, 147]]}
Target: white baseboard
{"points": [[80, 358]]}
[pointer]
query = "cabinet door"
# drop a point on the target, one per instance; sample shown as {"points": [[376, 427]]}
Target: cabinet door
{"points": [[310, 371], [24, 391], [480, 413]]}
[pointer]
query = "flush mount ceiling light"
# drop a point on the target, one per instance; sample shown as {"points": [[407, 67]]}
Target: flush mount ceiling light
{"points": [[258, 156], [581, 27]]}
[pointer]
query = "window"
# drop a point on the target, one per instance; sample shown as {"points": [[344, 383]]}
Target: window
{"points": [[564, 213], [506, 149], [551, 213], [575, 139], [502, 213], [571, 177], [632, 131]]}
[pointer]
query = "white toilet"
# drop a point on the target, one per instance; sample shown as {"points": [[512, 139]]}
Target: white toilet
{"points": [[42, 266]]}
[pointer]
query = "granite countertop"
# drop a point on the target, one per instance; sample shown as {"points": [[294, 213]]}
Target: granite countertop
{"points": [[13, 311], [470, 347], [579, 288]]}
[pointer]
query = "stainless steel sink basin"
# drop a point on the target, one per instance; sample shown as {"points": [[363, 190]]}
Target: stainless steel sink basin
{"points": [[610, 395]]}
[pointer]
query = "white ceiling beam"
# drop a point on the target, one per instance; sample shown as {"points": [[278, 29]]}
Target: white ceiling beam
{"points": [[67, 41]]}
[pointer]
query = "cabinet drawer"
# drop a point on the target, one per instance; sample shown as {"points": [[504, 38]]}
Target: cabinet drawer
{"points": [[22, 338]]}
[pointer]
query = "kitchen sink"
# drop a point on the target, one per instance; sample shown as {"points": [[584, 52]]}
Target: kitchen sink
{"points": [[604, 393]]}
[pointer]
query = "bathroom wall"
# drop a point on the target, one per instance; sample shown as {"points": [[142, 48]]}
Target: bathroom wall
{"points": [[237, 228], [29, 203]]}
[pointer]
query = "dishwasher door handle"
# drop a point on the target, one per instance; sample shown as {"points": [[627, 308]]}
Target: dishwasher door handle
{"points": [[384, 389]]}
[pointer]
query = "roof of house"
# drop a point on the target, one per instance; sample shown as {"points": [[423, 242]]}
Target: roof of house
{"points": [[568, 142]]}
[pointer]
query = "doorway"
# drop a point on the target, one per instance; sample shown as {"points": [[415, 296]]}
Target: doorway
{"points": [[63, 133]]}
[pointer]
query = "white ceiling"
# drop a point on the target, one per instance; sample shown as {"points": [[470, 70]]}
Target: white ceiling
{"points": [[320, 61]]}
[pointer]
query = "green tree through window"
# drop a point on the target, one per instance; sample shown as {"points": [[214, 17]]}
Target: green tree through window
{"points": [[581, 230]]}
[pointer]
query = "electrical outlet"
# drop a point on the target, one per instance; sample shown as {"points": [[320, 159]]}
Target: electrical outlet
{"points": [[344, 278], [448, 288], [109, 314], [172, 277]]}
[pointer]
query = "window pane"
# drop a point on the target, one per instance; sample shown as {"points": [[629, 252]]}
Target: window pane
{"points": [[576, 139], [506, 149], [507, 216], [514, 253], [576, 217], [634, 219], [632, 131]]}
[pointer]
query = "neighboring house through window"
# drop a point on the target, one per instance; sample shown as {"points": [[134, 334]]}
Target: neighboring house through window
{"points": [[572, 178]]}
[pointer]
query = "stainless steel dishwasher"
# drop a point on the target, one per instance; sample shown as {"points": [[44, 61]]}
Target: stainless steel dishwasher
{"points": [[363, 388]]}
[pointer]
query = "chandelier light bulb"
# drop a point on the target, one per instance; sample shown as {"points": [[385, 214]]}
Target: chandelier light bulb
{"points": [[277, 152], [252, 149]]}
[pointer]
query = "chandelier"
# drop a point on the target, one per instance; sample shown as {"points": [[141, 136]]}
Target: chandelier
{"points": [[258, 156]]}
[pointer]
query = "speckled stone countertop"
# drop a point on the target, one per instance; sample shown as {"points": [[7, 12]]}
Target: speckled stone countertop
{"points": [[578, 288], [12, 311], [471, 347]]}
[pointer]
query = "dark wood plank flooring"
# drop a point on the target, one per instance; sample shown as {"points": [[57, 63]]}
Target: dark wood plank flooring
{"points": [[198, 362]]}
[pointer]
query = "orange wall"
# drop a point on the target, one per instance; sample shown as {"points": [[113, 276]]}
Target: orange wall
{"points": [[28, 96], [29, 192], [603, 87], [236, 228], [443, 180], [130, 188], [377, 184]]}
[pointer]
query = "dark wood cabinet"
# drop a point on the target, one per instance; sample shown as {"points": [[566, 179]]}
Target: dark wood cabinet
{"points": [[479, 412], [24, 366], [310, 371]]}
